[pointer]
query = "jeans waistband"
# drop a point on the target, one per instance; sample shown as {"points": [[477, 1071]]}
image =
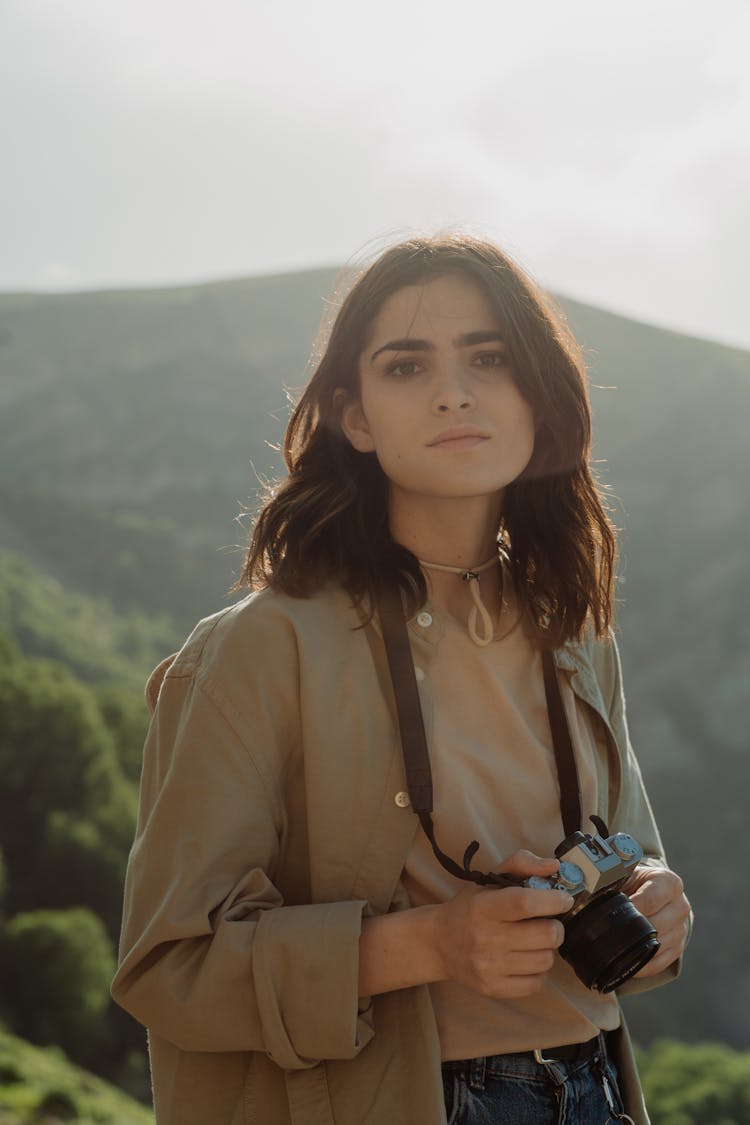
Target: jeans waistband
{"points": [[555, 1062]]}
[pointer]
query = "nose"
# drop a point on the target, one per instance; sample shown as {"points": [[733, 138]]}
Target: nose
{"points": [[452, 391]]}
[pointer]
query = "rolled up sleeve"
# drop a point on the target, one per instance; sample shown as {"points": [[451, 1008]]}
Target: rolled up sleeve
{"points": [[289, 987]]}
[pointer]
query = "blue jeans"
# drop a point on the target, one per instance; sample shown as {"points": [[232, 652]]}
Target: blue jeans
{"points": [[518, 1090]]}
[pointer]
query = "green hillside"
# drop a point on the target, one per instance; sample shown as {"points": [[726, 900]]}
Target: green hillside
{"points": [[99, 645], [40, 1085], [134, 425]]}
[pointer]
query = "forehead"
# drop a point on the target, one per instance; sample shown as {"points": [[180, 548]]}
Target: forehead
{"points": [[448, 305]]}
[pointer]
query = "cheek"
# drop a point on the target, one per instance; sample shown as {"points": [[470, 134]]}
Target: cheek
{"points": [[388, 424], [395, 451], [391, 453]]}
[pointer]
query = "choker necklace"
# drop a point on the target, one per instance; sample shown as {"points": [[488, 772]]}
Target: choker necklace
{"points": [[479, 609]]}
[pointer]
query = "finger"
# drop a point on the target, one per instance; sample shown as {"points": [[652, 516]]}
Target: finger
{"points": [[671, 922], [529, 963], [539, 934], [648, 901], [672, 940], [666, 956], [651, 896], [669, 918], [514, 904], [639, 874], [672, 916], [658, 889], [524, 863], [528, 936]]}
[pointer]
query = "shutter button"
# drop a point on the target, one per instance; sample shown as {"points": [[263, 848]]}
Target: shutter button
{"points": [[424, 619], [402, 799]]}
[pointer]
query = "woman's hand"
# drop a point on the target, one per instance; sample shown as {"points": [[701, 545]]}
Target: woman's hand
{"points": [[658, 894], [501, 941]]}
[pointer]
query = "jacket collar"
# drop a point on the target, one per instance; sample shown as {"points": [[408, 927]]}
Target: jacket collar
{"points": [[574, 657]]}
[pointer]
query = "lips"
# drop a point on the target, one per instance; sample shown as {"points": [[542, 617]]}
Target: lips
{"points": [[459, 437]]}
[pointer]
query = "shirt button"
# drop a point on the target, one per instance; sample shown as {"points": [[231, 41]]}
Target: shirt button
{"points": [[419, 673], [402, 799], [424, 619]]}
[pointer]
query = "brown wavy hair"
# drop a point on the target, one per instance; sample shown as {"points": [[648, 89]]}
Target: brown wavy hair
{"points": [[328, 520]]}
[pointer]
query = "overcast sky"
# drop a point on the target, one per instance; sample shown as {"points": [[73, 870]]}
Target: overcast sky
{"points": [[606, 146]]}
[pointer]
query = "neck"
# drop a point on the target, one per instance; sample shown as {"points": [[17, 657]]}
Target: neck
{"points": [[460, 533]]}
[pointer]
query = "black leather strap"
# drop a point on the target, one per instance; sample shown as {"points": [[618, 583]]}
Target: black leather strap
{"points": [[416, 754], [567, 770], [408, 707]]}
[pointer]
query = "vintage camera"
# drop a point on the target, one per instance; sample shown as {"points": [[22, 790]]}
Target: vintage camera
{"points": [[606, 939]]}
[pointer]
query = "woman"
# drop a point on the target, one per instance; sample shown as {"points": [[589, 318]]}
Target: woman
{"points": [[292, 942]]}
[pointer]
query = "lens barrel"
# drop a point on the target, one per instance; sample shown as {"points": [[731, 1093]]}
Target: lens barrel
{"points": [[608, 941]]}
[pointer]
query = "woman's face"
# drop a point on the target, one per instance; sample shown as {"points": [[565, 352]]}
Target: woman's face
{"points": [[438, 405]]}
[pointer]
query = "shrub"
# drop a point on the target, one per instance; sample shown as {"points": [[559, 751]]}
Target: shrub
{"points": [[696, 1084], [56, 969]]}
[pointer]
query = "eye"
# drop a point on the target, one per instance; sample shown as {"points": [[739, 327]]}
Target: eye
{"points": [[495, 358], [404, 368]]}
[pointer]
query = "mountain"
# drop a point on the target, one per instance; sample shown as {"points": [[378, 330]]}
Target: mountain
{"points": [[135, 424]]}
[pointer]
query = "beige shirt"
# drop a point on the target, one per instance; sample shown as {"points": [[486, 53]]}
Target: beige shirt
{"points": [[270, 820], [495, 781]]}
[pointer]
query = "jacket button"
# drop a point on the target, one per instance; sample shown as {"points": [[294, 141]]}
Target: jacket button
{"points": [[402, 799], [419, 673], [424, 619]]}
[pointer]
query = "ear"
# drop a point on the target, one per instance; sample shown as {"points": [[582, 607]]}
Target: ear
{"points": [[353, 422]]}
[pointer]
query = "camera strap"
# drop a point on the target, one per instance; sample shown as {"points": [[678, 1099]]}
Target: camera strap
{"points": [[416, 754]]}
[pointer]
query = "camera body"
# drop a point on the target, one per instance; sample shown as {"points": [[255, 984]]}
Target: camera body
{"points": [[591, 864], [607, 940]]}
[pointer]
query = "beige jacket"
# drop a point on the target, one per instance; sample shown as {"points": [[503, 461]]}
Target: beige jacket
{"points": [[271, 819]]}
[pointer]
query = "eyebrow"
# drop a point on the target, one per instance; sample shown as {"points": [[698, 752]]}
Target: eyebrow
{"points": [[468, 340]]}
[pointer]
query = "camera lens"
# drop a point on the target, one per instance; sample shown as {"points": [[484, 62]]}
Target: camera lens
{"points": [[608, 941]]}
